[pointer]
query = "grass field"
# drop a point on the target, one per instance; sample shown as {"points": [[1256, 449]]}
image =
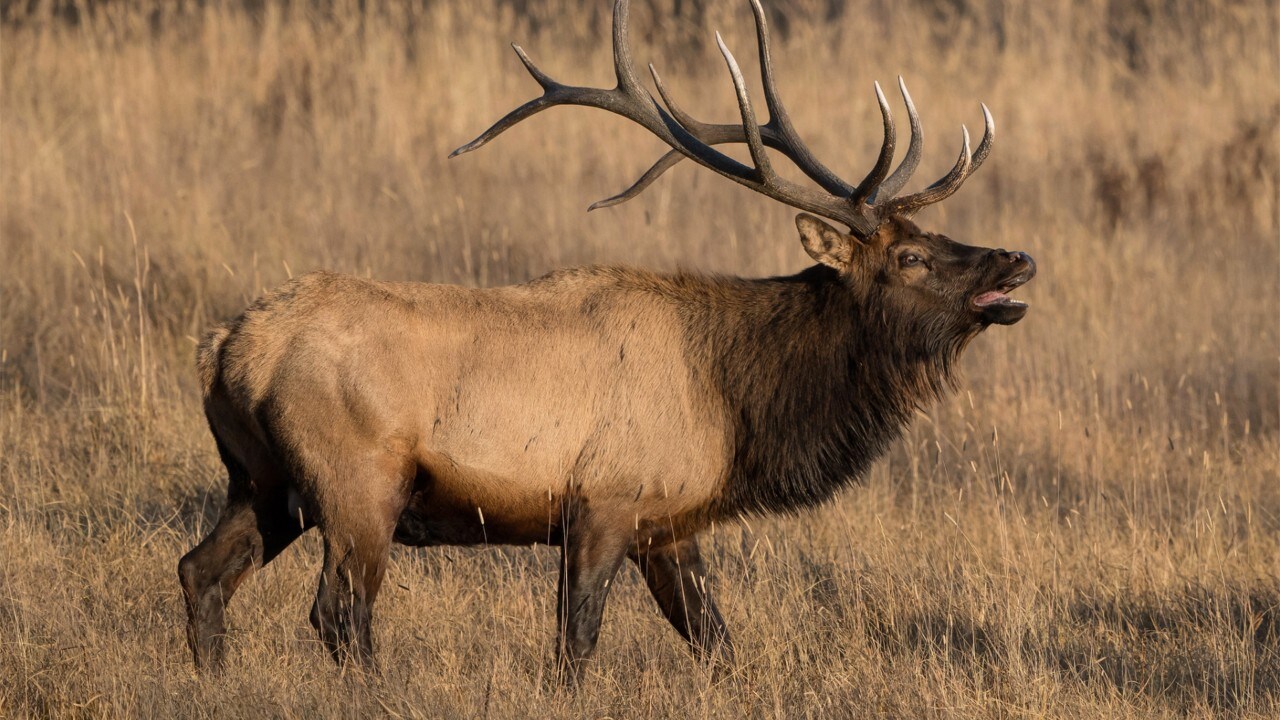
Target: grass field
{"points": [[1090, 528]]}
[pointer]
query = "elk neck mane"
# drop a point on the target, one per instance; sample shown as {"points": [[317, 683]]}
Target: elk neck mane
{"points": [[816, 379]]}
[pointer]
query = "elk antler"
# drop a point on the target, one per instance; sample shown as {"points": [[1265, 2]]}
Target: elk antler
{"points": [[861, 208]]}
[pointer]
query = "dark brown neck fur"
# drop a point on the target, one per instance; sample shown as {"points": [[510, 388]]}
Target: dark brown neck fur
{"points": [[816, 380]]}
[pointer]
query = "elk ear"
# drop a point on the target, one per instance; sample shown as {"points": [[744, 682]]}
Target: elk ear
{"points": [[824, 243]]}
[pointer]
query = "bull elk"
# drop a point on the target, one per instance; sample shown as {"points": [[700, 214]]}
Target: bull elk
{"points": [[613, 412]]}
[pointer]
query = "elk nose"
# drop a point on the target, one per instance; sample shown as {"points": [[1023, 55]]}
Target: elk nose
{"points": [[1025, 265]]}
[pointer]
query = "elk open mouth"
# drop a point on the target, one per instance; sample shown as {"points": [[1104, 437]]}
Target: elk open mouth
{"points": [[996, 297], [999, 297]]}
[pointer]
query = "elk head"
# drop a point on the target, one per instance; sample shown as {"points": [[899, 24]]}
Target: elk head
{"points": [[884, 257], [924, 275]]}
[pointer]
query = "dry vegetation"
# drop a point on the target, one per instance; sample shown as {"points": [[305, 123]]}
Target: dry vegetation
{"points": [[1091, 528]]}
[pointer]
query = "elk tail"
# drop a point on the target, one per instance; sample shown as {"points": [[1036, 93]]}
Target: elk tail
{"points": [[208, 356]]}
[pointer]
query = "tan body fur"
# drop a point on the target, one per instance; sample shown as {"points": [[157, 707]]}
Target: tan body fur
{"points": [[492, 405]]}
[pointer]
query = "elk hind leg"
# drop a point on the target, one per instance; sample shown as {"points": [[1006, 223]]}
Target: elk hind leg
{"points": [[357, 539], [251, 531]]}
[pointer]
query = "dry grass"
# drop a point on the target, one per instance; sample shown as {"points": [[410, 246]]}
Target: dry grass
{"points": [[1091, 529]]}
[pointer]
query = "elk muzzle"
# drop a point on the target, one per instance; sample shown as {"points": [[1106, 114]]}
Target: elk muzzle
{"points": [[1009, 270]]}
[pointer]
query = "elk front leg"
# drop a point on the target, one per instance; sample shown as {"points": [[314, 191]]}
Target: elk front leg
{"points": [[589, 560], [676, 577]]}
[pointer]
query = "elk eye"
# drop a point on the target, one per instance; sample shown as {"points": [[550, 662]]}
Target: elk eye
{"points": [[910, 260]]}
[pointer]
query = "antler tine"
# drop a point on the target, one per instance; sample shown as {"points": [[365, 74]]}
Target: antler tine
{"points": [[754, 145], [665, 163], [938, 191], [623, 68], [988, 138], [554, 93], [690, 123], [907, 167], [952, 181], [533, 106], [878, 172], [780, 121], [629, 99]]}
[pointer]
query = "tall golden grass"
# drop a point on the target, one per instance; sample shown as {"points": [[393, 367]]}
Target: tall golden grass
{"points": [[1091, 528]]}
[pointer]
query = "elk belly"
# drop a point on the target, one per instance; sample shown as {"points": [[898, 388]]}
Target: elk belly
{"points": [[451, 504]]}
